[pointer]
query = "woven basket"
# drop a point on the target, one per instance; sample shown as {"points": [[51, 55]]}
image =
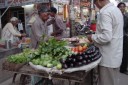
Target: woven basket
{"points": [[11, 66]]}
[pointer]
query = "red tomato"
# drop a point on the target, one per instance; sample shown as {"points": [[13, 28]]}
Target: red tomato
{"points": [[80, 48], [84, 47]]}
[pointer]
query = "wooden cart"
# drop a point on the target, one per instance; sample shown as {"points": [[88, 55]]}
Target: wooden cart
{"points": [[77, 77]]}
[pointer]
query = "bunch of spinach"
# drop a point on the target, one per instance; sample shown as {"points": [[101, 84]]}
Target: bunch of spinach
{"points": [[54, 48], [50, 52]]}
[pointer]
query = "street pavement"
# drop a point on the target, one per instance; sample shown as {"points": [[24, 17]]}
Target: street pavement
{"points": [[123, 79]]}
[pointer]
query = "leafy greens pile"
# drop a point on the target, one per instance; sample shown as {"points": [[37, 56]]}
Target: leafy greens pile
{"points": [[50, 52], [21, 57]]}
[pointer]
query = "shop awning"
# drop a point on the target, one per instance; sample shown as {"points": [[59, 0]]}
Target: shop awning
{"points": [[12, 3]]}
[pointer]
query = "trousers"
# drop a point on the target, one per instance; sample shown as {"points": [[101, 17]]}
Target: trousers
{"points": [[108, 76], [124, 64]]}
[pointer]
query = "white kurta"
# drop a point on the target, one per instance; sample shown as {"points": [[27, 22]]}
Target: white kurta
{"points": [[109, 36], [10, 32], [20, 26]]}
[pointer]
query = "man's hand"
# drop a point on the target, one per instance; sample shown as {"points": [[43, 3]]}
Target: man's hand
{"points": [[58, 38], [23, 35], [89, 37], [53, 34]]}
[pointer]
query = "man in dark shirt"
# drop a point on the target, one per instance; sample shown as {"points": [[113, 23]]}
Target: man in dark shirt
{"points": [[124, 65], [59, 26]]}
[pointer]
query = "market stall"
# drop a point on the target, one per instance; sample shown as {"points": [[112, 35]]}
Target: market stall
{"points": [[70, 58], [64, 59]]}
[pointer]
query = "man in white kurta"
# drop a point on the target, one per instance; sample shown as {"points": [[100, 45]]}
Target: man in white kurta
{"points": [[109, 39], [10, 31]]}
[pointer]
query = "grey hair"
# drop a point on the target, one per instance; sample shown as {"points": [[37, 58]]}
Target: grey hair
{"points": [[13, 19], [43, 9]]}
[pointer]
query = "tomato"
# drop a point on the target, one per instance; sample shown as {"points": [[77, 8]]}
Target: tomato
{"points": [[84, 47], [80, 48], [72, 49], [76, 49]]}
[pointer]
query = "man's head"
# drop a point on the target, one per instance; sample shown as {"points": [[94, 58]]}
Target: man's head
{"points": [[53, 11], [101, 3], [43, 12], [19, 21], [122, 6], [14, 21]]}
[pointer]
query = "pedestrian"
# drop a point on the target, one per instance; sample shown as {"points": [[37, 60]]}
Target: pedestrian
{"points": [[10, 32], [122, 7], [20, 27], [124, 65], [59, 27], [39, 28], [109, 39]]}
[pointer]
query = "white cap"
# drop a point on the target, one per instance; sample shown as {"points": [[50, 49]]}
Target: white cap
{"points": [[13, 19]]}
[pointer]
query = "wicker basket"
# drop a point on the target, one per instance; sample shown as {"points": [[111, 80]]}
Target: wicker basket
{"points": [[11, 66]]}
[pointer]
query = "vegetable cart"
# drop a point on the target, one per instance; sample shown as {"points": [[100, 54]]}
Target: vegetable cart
{"points": [[78, 76], [52, 62]]}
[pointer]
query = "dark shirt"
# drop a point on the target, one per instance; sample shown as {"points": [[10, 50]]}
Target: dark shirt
{"points": [[125, 25], [58, 26]]}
